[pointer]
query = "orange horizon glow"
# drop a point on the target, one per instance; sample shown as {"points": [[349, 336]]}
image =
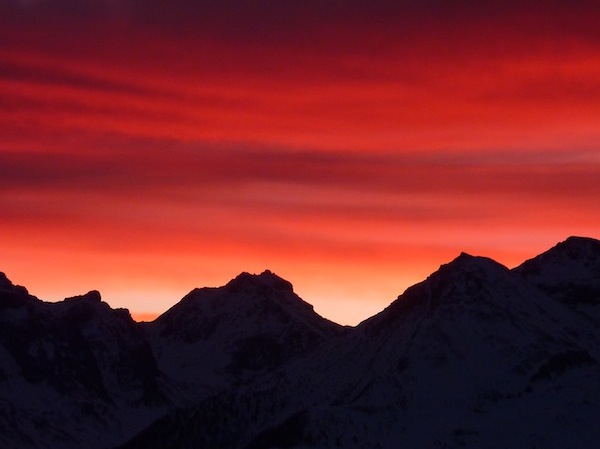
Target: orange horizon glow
{"points": [[149, 148]]}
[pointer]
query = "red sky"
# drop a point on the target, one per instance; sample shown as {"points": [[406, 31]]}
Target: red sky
{"points": [[150, 147]]}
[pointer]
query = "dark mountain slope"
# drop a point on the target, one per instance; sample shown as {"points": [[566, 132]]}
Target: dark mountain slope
{"points": [[216, 337], [79, 373], [472, 356], [570, 273], [71, 369]]}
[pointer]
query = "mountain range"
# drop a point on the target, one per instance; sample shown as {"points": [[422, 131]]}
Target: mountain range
{"points": [[476, 355]]}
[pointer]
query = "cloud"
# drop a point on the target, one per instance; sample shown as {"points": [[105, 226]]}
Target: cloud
{"points": [[399, 76], [235, 134], [336, 25], [384, 187]]}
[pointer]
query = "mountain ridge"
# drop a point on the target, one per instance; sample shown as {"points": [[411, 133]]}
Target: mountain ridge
{"points": [[473, 346], [251, 365], [252, 323]]}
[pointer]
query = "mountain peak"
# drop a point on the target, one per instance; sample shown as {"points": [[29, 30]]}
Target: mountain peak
{"points": [[568, 271], [92, 296], [466, 280], [466, 274], [249, 299], [466, 263], [465, 258], [11, 294], [5, 282], [267, 279], [583, 251], [581, 240], [575, 247]]}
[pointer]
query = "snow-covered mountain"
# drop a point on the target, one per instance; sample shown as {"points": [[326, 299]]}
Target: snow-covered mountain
{"points": [[218, 337], [78, 373], [70, 370], [570, 273], [476, 355]]}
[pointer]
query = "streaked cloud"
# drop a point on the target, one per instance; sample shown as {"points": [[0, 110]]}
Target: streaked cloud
{"points": [[192, 140]]}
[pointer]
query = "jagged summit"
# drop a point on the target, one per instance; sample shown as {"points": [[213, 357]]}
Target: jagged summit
{"points": [[253, 323], [5, 283], [266, 279], [245, 290], [251, 365], [12, 295], [90, 307], [93, 296], [245, 298], [473, 345]]}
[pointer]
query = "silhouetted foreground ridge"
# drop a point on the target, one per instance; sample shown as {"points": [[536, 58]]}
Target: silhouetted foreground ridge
{"points": [[476, 355]]}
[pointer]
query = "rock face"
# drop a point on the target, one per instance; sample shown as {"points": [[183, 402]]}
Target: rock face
{"points": [[476, 355]]}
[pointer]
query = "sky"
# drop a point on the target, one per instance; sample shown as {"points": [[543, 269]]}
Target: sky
{"points": [[149, 147]]}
